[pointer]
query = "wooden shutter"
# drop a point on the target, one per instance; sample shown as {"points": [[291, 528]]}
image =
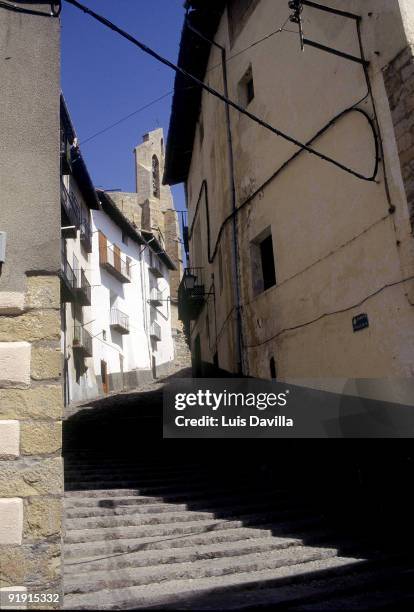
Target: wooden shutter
{"points": [[117, 258], [103, 248]]}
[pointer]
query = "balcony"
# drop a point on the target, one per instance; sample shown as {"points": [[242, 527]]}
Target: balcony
{"points": [[110, 259], [70, 212], [119, 321], [155, 331], [68, 281], [191, 294], [156, 297], [86, 235], [83, 289], [82, 341], [155, 265]]}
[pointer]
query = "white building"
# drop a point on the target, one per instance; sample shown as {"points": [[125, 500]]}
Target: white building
{"points": [[115, 288], [131, 312], [78, 197]]}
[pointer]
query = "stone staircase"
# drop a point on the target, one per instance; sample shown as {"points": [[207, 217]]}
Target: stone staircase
{"points": [[158, 534]]}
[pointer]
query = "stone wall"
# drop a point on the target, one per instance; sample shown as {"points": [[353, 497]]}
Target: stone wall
{"points": [[399, 83], [31, 470]]}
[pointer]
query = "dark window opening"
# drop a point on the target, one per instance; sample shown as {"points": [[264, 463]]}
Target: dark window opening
{"points": [[249, 90], [246, 88], [272, 364], [268, 263]]}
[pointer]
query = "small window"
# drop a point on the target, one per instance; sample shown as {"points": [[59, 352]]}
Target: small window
{"points": [[268, 263], [124, 238], [246, 88], [104, 334], [272, 364], [249, 89], [262, 262]]}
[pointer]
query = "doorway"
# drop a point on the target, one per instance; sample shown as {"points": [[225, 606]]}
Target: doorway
{"points": [[197, 366], [104, 376]]}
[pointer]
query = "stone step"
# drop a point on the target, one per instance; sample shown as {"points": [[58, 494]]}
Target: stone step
{"points": [[127, 545], [230, 508], [164, 556], [72, 473], [142, 481], [181, 516], [312, 594], [176, 529], [175, 591], [113, 579], [80, 499], [158, 485], [168, 491]]}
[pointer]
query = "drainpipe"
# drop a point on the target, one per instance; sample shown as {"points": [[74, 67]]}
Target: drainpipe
{"points": [[235, 247]]}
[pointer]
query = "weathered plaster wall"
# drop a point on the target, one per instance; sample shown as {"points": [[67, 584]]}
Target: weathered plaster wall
{"points": [[31, 479], [337, 245]]}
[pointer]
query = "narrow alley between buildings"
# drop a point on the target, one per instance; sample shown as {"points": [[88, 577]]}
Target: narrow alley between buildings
{"points": [[154, 523]]}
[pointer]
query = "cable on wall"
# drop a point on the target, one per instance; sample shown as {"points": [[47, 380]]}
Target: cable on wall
{"points": [[204, 189]]}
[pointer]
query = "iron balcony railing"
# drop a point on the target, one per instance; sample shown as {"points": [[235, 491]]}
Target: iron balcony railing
{"points": [[119, 321], [111, 260], [86, 234], [82, 340], [70, 208], [68, 280], [156, 297], [155, 331], [83, 288]]}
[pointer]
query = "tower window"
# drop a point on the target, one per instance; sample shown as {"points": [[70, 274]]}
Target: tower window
{"points": [[155, 177]]}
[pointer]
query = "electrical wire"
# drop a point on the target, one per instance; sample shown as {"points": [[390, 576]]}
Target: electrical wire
{"points": [[106, 22], [329, 314], [169, 93], [126, 117]]}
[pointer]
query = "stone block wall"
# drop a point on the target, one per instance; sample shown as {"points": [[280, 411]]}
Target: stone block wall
{"points": [[31, 470], [399, 83]]}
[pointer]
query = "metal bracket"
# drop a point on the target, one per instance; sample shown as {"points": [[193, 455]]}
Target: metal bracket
{"points": [[352, 58], [297, 7]]}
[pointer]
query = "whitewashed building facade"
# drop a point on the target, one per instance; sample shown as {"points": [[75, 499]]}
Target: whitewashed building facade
{"points": [[131, 327]]}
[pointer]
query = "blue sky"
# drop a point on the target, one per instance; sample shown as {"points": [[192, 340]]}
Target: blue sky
{"points": [[104, 78]]}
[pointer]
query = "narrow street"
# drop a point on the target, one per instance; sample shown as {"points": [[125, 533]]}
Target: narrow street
{"points": [[157, 524]]}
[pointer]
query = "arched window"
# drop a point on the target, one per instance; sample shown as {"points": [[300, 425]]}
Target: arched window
{"points": [[155, 177]]}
